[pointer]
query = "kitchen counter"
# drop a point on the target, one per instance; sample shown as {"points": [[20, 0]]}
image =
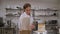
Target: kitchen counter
{"points": [[39, 32]]}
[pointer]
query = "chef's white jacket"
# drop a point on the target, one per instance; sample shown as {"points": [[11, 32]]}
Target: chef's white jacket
{"points": [[23, 17]]}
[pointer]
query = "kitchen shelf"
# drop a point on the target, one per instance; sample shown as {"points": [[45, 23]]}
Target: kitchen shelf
{"points": [[11, 15], [44, 10], [48, 9], [40, 13], [46, 16], [11, 9], [50, 24]]}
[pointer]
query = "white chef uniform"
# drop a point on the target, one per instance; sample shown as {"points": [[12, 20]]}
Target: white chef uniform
{"points": [[23, 15]]}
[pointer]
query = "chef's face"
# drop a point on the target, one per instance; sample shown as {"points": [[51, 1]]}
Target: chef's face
{"points": [[28, 9]]}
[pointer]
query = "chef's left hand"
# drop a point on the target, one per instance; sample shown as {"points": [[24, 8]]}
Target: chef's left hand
{"points": [[32, 26]]}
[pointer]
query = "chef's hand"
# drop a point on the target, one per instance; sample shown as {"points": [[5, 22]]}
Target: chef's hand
{"points": [[32, 26]]}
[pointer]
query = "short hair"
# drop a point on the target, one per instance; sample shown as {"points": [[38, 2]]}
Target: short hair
{"points": [[26, 5]]}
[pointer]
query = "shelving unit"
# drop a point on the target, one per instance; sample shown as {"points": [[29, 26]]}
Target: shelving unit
{"points": [[11, 14], [48, 10], [52, 27], [45, 13]]}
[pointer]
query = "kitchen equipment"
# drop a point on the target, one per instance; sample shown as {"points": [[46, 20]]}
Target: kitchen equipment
{"points": [[51, 27], [9, 23], [36, 25], [52, 22], [1, 22]]}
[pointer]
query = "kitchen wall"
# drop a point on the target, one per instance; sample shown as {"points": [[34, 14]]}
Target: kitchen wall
{"points": [[36, 4], [59, 14]]}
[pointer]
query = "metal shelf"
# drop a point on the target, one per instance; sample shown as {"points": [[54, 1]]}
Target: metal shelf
{"points": [[11, 9], [47, 9], [46, 16], [50, 24]]}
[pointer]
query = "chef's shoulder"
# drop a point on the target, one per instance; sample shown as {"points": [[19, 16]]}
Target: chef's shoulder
{"points": [[22, 16]]}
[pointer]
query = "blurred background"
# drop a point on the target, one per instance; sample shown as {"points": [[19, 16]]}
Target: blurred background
{"points": [[46, 14]]}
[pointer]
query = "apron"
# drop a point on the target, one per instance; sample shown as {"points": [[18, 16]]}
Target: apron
{"points": [[25, 26]]}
